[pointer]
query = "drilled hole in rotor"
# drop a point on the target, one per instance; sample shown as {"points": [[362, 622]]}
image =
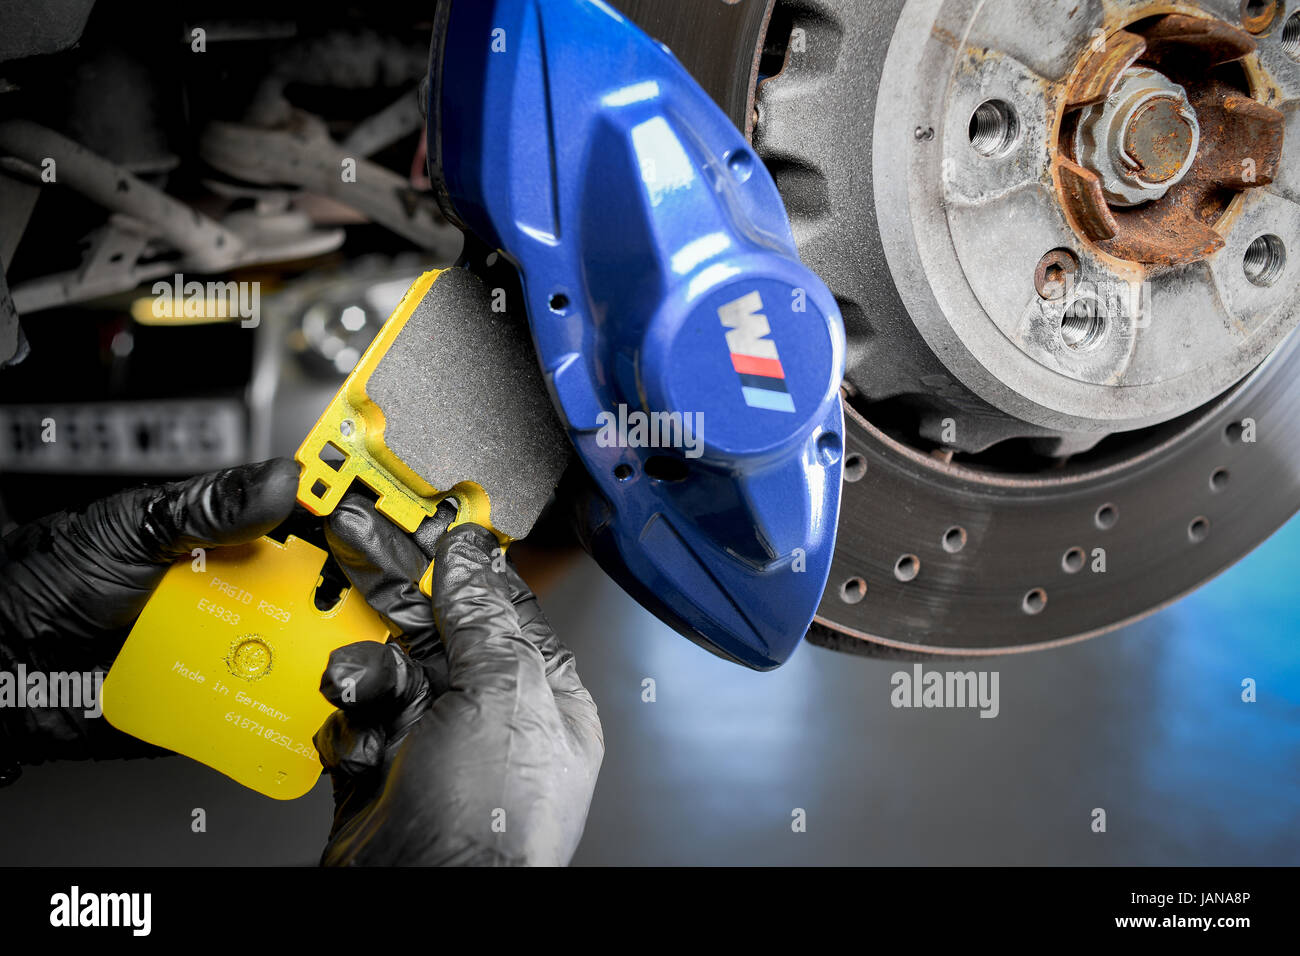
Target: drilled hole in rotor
{"points": [[1291, 37], [1233, 431], [1198, 530], [855, 467], [1265, 261], [994, 128], [1106, 517], [1073, 561], [1034, 601], [954, 539], [853, 591], [1083, 324], [1219, 480], [907, 567]]}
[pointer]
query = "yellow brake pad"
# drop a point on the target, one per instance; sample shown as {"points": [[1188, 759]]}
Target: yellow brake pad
{"points": [[224, 663], [353, 427], [447, 402]]}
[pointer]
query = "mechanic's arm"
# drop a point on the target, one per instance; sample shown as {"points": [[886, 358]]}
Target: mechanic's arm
{"points": [[479, 748], [73, 583]]}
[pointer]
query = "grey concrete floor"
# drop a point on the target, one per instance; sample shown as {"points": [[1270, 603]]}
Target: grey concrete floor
{"points": [[1146, 723]]}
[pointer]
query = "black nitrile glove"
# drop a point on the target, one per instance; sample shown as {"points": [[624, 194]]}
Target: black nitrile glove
{"points": [[479, 748], [73, 583]]}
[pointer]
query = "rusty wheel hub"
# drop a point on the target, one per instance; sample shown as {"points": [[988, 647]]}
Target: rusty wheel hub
{"points": [[1156, 143]]}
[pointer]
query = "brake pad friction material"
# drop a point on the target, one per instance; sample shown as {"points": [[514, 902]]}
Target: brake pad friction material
{"points": [[224, 664], [447, 401]]}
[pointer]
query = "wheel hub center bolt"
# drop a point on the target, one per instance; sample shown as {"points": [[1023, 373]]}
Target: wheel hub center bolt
{"points": [[1142, 140]]}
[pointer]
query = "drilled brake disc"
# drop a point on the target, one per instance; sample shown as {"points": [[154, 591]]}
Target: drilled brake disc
{"points": [[965, 555]]}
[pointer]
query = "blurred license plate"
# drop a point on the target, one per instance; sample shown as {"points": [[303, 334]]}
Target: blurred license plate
{"points": [[166, 437]]}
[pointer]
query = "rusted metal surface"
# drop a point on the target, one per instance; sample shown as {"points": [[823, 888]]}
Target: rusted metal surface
{"points": [[1159, 140], [1055, 274], [1099, 73], [1247, 148], [1210, 41], [1258, 17], [1083, 199], [1141, 140], [1240, 143]]}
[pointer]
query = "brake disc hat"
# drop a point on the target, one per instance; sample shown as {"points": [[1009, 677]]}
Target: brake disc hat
{"points": [[967, 212], [936, 556]]}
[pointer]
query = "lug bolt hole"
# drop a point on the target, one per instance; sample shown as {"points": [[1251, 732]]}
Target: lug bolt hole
{"points": [[1265, 261], [994, 129], [1291, 37], [1083, 324]]}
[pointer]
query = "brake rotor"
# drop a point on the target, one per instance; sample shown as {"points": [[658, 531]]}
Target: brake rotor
{"points": [[966, 554]]}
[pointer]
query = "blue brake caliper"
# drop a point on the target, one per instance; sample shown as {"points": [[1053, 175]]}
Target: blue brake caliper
{"points": [[667, 305]]}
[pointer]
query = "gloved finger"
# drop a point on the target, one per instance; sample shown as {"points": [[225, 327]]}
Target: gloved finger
{"points": [[354, 757], [376, 685], [381, 694], [486, 651], [222, 508], [347, 749], [88, 573], [560, 669], [384, 563], [571, 697]]}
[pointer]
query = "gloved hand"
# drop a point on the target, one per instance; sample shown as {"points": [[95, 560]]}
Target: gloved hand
{"points": [[481, 748], [72, 584]]}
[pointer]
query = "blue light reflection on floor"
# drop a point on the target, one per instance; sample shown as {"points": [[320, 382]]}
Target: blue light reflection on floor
{"points": [[1146, 723], [1244, 625]]}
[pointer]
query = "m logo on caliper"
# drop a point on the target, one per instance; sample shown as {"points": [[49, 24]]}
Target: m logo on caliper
{"points": [[754, 355]]}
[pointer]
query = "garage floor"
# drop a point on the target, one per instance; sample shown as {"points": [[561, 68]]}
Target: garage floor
{"points": [[1147, 724]]}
